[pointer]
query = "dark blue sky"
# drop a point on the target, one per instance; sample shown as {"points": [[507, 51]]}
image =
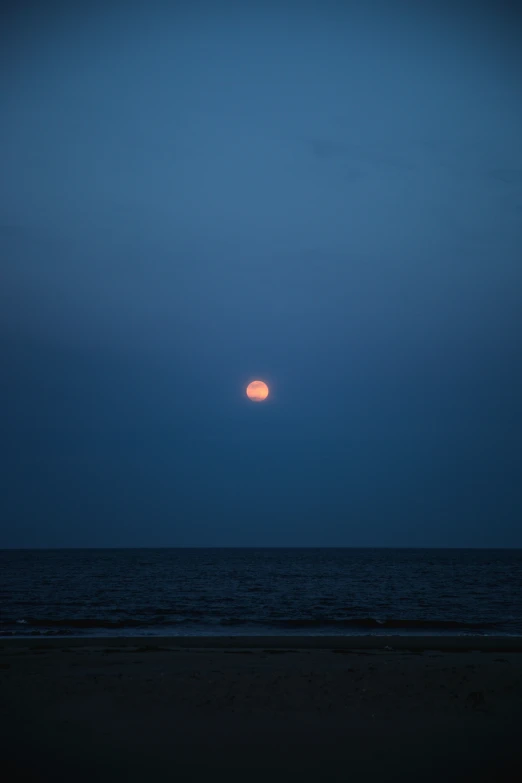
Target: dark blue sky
{"points": [[326, 196]]}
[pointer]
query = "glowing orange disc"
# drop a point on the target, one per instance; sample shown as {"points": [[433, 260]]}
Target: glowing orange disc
{"points": [[257, 391]]}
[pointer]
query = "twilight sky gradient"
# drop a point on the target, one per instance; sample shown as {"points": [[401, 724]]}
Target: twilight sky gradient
{"points": [[324, 195]]}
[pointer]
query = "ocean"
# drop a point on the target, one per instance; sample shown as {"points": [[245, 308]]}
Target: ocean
{"points": [[122, 592]]}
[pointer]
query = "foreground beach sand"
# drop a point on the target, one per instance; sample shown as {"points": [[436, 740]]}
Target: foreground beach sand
{"points": [[259, 708]]}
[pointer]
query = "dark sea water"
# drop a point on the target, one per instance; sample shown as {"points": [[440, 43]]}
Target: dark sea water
{"points": [[260, 591]]}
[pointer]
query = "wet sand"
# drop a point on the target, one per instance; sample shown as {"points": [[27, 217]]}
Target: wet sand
{"points": [[261, 709]]}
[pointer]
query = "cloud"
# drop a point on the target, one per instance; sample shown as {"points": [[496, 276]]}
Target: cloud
{"points": [[326, 149], [381, 157], [510, 176]]}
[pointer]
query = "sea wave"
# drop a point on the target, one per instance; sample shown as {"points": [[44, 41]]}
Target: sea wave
{"points": [[363, 623], [353, 624]]}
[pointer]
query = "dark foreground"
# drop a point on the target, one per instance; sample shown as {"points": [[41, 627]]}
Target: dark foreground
{"points": [[261, 709]]}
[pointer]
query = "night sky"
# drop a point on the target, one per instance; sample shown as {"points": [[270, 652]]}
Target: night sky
{"points": [[325, 196]]}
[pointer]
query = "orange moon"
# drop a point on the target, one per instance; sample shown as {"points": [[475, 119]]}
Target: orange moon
{"points": [[257, 391]]}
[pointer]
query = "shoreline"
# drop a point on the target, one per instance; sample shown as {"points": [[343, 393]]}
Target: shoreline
{"points": [[382, 643]]}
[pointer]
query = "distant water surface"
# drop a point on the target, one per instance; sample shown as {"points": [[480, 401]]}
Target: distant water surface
{"points": [[121, 592]]}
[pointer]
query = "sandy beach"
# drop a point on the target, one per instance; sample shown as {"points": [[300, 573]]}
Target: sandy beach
{"points": [[260, 708]]}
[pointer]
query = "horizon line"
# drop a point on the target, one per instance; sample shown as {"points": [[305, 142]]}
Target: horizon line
{"points": [[66, 548]]}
